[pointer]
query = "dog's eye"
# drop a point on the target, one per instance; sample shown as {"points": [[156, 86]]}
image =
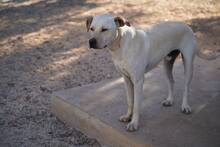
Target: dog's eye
{"points": [[92, 29], [104, 29]]}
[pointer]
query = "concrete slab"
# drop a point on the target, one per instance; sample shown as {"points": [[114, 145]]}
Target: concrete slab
{"points": [[94, 109]]}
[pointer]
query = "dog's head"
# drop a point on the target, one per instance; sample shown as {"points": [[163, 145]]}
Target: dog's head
{"points": [[103, 29]]}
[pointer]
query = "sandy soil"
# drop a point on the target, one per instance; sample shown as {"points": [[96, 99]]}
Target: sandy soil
{"points": [[43, 48]]}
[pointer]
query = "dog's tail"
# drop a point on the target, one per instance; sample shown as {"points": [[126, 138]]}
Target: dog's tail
{"points": [[210, 56]]}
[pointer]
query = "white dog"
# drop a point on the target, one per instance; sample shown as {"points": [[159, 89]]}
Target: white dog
{"points": [[135, 52]]}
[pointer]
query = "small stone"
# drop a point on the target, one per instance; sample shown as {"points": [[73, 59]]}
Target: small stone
{"points": [[27, 98], [109, 76], [72, 140], [79, 141], [2, 122], [11, 84], [44, 89]]}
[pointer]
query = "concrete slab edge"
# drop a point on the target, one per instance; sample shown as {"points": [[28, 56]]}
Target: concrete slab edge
{"points": [[91, 126]]}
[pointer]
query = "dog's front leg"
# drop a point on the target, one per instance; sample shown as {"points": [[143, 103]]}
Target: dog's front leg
{"points": [[130, 99], [138, 95]]}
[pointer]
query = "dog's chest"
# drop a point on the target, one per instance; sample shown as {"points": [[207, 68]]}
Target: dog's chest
{"points": [[121, 67]]}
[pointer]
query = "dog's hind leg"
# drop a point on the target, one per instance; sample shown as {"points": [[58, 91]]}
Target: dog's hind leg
{"points": [[168, 66], [188, 58]]}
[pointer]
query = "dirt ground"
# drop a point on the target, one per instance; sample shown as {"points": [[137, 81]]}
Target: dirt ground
{"points": [[44, 48]]}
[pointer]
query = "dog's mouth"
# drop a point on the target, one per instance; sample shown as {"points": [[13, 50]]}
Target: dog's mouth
{"points": [[95, 47]]}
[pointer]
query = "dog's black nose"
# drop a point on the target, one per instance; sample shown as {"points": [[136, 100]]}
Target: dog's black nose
{"points": [[92, 43]]}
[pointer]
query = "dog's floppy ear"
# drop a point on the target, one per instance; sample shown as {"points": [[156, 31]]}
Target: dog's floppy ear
{"points": [[120, 21], [88, 22]]}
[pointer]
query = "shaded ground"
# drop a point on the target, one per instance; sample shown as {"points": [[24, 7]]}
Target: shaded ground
{"points": [[43, 48]]}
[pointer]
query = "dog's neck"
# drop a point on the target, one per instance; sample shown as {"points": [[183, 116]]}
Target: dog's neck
{"points": [[122, 34], [116, 43]]}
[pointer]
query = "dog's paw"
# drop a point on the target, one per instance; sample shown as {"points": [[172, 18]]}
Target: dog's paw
{"points": [[125, 118], [131, 127], [186, 109], [167, 103]]}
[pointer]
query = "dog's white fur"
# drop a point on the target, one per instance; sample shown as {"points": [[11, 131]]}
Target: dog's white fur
{"points": [[135, 52]]}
